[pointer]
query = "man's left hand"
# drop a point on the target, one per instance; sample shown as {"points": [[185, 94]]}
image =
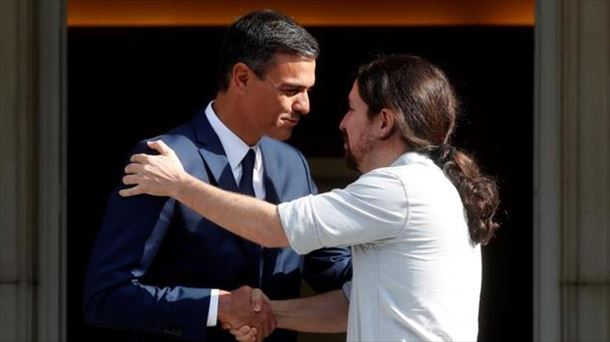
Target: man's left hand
{"points": [[158, 175]]}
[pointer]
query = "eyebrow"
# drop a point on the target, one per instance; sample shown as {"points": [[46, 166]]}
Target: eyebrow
{"points": [[294, 85]]}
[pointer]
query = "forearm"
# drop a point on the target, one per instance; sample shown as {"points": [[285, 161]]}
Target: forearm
{"points": [[324, 313], [142, 308], [245, 216]]}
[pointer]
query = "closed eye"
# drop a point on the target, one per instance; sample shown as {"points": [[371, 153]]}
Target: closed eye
{"points": [[293, 89], [291, 92]]}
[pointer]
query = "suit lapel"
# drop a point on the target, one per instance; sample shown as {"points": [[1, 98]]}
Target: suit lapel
{"points": [[212, 153], [270, 178], [215, 160], [271, 175]]}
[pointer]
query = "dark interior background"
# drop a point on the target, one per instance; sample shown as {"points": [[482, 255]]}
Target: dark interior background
{"points": [[126, 84]]}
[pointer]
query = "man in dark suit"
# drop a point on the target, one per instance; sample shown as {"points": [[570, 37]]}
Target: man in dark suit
{"points": [[161, 271]]}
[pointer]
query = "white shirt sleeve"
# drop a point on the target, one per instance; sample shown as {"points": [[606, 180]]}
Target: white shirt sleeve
{"points": [[213, 310], [373, 208]]}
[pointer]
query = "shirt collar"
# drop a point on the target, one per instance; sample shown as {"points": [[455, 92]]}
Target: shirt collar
{"points": [[414, 157], [235, 148]]}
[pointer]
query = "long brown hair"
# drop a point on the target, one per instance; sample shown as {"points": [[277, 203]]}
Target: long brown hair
{"points": [[423, 95]]}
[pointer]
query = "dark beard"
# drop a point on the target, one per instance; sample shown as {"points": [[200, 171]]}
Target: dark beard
{"points": [[349, 157], [350, 160]]}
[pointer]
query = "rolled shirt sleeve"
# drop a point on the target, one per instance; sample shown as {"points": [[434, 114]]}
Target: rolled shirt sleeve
{"points": [[373, 208]]}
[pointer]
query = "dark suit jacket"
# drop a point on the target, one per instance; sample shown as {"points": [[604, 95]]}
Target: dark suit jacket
{"points": [[154, 261]]}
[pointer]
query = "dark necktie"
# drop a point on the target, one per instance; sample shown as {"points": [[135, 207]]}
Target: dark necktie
{"points": [[265, 256], [247, 169], [246, 188]]}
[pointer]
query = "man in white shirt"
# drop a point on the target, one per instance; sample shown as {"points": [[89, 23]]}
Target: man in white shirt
{"points": [[414, 219], [158, 270]]}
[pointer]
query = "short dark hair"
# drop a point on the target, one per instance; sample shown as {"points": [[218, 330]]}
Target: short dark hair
{"points": [[427, 108], [254, 40]]}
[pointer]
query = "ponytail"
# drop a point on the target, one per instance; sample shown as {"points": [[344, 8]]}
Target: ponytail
{"points": [[478, 192], [428, 107]]}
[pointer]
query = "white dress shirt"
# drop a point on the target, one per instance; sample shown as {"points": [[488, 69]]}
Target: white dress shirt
{"points": [[235, 150], [416, 274]]}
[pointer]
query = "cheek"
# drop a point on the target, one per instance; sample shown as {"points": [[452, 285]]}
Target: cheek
{"points": [[267, 110], [354, 126], [362, 132], [285, 105], [281, 107]]}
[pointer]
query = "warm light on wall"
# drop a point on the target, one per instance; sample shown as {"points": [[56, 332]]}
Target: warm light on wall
{"points": [[309, 13]]}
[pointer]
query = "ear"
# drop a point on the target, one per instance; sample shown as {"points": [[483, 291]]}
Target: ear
{"points": [[240, 76], [386, 123]]}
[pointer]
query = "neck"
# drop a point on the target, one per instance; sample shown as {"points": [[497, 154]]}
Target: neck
{"points": [[228, 110], [383, 155]]}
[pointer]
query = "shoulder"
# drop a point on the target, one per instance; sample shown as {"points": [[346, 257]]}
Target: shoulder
{"points": [[413, 168], [274, 146], [400, 184], [287, 168], [282, 154], [179, 139], [384, 183], [423, 181]]}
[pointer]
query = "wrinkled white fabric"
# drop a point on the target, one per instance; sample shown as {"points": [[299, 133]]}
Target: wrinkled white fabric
{"points": [[417, 276]]}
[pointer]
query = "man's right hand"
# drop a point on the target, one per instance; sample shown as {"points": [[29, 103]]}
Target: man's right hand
{"points": [[246, 307], [258, 301]]}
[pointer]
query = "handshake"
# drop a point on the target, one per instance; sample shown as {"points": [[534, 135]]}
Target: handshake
{"points": [[246, 313]]}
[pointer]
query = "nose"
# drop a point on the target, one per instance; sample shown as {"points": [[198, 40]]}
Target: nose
{"points": [[301, 105], [342, 123]]}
